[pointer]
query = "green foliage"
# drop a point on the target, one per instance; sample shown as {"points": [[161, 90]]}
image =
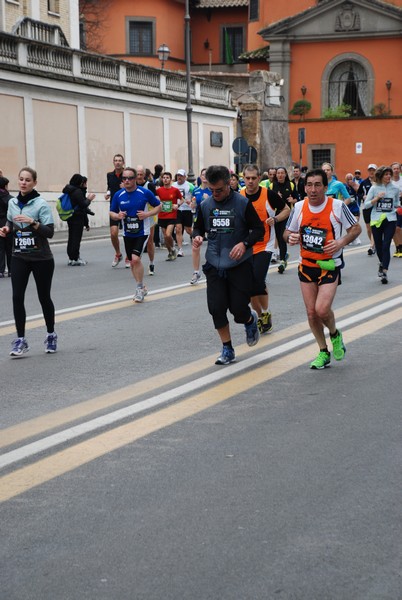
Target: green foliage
{"points": [[343, 111], [380, 110], [301, 108]]}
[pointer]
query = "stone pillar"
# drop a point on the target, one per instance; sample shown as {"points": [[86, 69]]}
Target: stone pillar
{"points": [[264, 122]]}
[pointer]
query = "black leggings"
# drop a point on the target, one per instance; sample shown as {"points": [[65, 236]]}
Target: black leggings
{"points": [[382, 239], [75, 229], [279, 231], [43, 274]]}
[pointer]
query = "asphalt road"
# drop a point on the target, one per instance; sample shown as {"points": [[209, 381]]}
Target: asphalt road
{"points": [[133, 468]]}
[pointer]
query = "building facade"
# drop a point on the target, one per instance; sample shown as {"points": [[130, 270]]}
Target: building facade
{"points": [[327, 52], [55, 21], [66, 111]]}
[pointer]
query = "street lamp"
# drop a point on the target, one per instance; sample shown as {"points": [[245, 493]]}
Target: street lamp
{"points": [[189, 109], [388, 85], [163, 54]]}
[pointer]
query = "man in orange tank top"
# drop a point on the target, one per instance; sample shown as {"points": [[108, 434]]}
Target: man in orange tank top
{"points": [[317, 223], [271, 209]]}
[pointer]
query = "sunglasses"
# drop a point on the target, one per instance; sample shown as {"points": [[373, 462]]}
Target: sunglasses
{"points": [[127, 178]]}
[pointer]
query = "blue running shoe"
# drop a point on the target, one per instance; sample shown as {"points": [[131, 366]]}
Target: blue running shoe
{"points": [[51, 343], [252, 333], [227, 356], [19, 346]]}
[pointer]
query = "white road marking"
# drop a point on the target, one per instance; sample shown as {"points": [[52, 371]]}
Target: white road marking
{"points": [[30, 450]]}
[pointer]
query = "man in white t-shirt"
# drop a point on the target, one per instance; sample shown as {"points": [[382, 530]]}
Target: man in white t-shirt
{"points": [[397, 181], [184, 213]]}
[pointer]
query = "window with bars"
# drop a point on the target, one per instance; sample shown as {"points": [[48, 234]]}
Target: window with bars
{"points": [[320, 156], [253, 10], [232, 44], [141, 37], [348, 84], [53, 6]]}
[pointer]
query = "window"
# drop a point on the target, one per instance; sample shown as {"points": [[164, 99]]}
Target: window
{"points": [[253, 10], [232, 45], [348, 85], [141, 37], [53, 6], [320, 156]]}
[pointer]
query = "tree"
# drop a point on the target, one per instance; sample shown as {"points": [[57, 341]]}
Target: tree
{"points": [[93, 24]]}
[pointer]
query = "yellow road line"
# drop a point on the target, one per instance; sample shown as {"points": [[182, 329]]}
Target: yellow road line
{"points": [[94, 310], [48, 468], [80, 410]]}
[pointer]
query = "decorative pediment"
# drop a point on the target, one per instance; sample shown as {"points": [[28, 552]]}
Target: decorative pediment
{"points": [[339, 19]]}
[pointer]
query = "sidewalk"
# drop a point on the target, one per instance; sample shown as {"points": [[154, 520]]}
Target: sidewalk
{"points": [[95, 233]]}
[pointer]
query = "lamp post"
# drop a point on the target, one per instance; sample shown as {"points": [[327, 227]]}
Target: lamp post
{"points": [[163, 54], [189, 109], [388, 85]]}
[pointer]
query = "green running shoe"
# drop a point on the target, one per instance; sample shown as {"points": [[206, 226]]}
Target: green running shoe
{"points": [[266, 322], [323, 359], [338, 347]]}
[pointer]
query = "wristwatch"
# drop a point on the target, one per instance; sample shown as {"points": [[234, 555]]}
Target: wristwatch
{"points": [[35, 224], [246, 244]]}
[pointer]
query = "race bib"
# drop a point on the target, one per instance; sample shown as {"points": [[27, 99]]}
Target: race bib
{"points": [[221, 221], [167, 206], [25, 242], [385, 204], [132, 224], [313, 239]]}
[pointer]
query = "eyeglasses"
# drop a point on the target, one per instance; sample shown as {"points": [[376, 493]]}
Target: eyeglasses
{"points": [[217, 190], [127, 178]]}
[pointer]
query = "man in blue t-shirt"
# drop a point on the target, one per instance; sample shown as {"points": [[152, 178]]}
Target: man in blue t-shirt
{"points": [[130, 204]]}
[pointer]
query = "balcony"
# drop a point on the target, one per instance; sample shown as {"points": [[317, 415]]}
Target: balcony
{"points": [[49, 60]]}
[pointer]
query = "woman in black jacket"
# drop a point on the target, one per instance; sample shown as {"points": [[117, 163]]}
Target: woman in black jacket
{"points": [[76, 189], [6, 243]]}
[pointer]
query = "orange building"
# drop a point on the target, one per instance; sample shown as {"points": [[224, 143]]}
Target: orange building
{"points": [[329, 53]]}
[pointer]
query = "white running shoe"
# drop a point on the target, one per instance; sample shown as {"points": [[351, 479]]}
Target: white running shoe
{"points": [[195, 278]]}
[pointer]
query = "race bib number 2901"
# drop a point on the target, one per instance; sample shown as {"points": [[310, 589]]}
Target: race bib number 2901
{"points": [[313, 238], [222, 221]]}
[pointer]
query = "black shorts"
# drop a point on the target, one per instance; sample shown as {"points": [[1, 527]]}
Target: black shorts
{"points": [[185, 218], [319, 276], [113, 223], [165, 222], [260, 262], [135, 245], [367, 215]]}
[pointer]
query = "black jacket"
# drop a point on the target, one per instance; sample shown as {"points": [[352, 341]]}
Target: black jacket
{"points": [[4, 198], [78, 200]]}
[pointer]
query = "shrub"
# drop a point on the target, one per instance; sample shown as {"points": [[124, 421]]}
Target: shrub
{"points": [[301, 108], [343, 111]]}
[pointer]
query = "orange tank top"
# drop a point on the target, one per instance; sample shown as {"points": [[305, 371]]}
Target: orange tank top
{"points": [[260, 206], [316, 230]]}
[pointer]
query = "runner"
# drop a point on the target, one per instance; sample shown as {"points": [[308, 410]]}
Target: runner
{"points": [[383, 198], [271, 209], [233, 227], [30, 219], [170, 197], [317, 223], [130, 204]]}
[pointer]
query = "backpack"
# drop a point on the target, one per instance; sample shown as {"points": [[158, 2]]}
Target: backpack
{"points": [[64, 207]]}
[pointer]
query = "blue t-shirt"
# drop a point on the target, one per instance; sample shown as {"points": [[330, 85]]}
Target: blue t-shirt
{"points": [[201, 194], [336, 189], [131, 203]]}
